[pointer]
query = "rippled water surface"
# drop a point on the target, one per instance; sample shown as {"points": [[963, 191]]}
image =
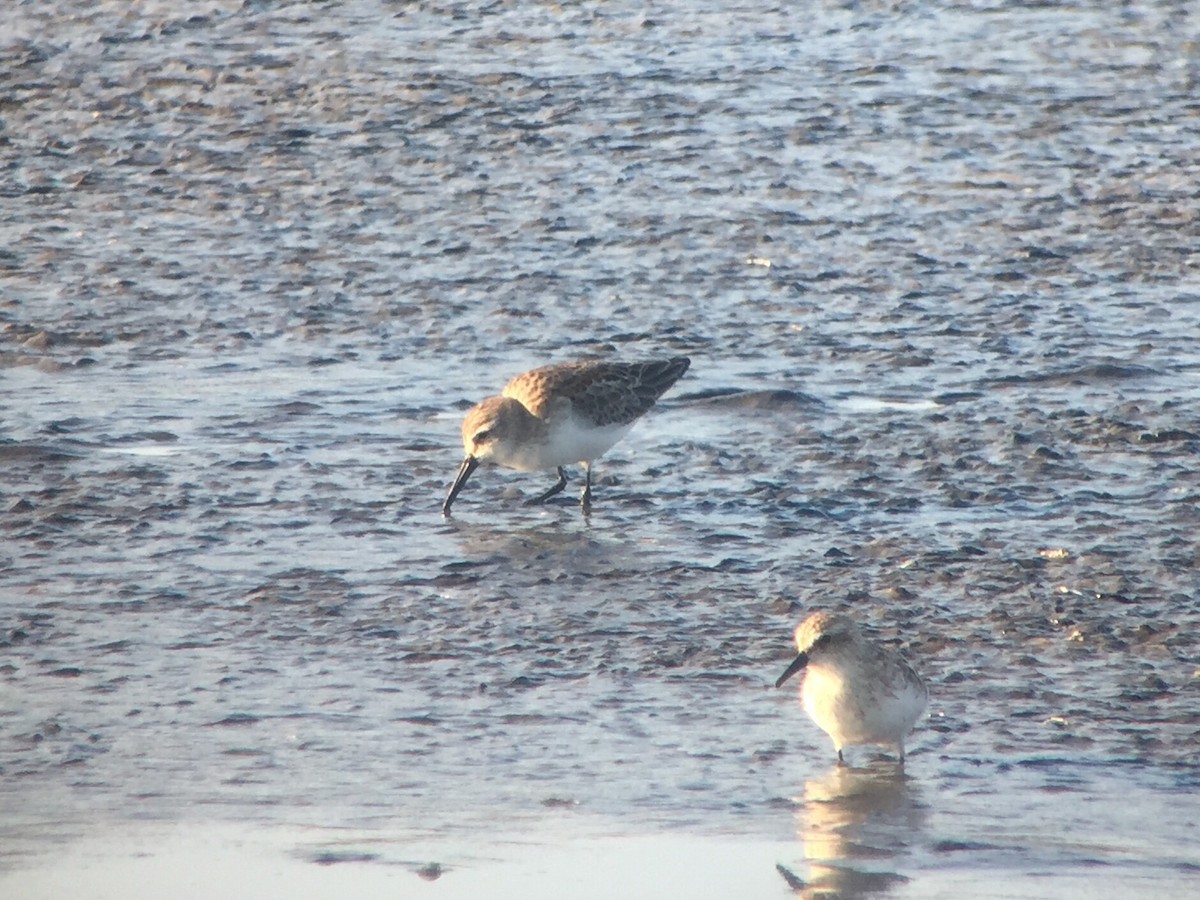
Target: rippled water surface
{"points": [[936, 268]]}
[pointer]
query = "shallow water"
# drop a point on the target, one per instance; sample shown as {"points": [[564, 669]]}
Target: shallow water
{"points": [[935, 267]]}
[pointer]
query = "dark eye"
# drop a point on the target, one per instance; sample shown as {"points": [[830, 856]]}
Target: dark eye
{"points": [[821, 641], [482, 436]]}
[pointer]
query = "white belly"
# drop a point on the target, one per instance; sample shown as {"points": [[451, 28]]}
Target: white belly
{"points": [[567, 442], [868, 713]]}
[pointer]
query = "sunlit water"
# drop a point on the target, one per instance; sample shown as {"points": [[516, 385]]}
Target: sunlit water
{"points": [[935, 267]]}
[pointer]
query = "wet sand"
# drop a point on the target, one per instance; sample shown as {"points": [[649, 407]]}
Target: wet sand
{"points": [[935, 267]]}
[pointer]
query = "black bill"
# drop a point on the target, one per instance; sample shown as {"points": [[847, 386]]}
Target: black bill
{"points": [[797, 664], [464, 472]]}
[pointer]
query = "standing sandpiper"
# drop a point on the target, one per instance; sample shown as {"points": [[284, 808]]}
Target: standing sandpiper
{"points": [[557, 415], [857, 691]]}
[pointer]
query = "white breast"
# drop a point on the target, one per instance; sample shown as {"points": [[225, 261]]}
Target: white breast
{"points": [[856, 707]]}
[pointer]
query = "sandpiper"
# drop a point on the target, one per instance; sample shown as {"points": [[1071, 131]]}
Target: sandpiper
{"points": [[556, 415], [857, 691]]}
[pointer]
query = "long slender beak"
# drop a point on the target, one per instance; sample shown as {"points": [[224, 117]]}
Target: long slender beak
{"points": [[469, 465], [797, 664]]}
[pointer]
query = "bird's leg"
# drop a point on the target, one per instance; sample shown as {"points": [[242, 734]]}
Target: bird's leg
{"points": [[841, 761], [585, 499], [558, 486]]}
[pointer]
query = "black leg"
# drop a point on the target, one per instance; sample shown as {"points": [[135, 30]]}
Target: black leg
{"points": [[841, 761], [558, 486], [585, 499]]}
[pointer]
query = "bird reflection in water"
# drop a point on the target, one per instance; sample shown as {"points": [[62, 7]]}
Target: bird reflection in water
{"points": [[856, 825]]}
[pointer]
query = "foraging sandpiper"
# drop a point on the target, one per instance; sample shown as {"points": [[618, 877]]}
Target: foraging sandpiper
{"points": [[556, 415]]}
